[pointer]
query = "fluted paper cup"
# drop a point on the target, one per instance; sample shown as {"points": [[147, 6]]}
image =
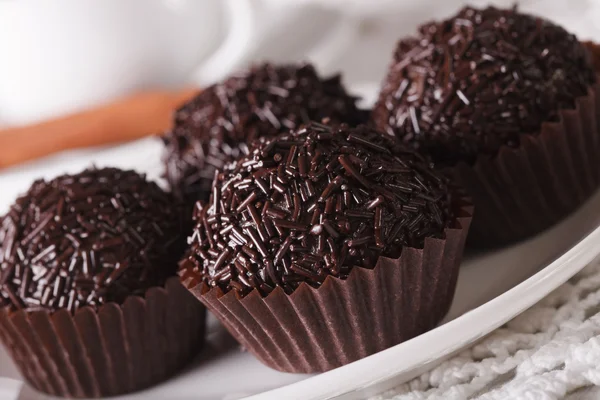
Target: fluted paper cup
{"points": [[114, 350]]}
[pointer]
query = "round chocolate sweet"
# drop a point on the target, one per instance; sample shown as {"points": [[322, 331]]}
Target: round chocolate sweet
{"points": [[477, 81], [313, 203], [219, 124], [87, 239]]}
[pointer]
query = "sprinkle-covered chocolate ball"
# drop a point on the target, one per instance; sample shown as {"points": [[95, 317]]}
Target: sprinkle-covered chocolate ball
{"points": [[313, 203], [477, 81], [219, 124], [87, 239]]}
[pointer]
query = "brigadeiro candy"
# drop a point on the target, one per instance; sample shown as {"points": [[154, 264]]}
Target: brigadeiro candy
{"points": [[505, 102], [219, 124], [90, 304], [325, 245]]}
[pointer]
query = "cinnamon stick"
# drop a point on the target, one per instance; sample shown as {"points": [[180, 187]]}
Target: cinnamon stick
{"points": [[131, 118]]}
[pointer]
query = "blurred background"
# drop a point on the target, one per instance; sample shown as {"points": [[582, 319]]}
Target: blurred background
{"points": [[65, 56]]}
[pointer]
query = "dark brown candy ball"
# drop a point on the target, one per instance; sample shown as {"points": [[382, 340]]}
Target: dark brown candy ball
{"points": [[87, 239], [219, 124], [313, 203], [477, 81]]}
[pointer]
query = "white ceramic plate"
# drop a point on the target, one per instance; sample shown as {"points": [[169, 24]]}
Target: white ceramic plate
{"points": [[493, 287]]}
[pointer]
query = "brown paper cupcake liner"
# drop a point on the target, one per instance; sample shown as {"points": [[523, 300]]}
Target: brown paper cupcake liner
{"points": [[594, 50], [318, 329], [522, 191], [115, 350]]}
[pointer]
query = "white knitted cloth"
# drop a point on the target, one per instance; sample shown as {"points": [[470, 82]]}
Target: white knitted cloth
{"points": [[549, 352]]}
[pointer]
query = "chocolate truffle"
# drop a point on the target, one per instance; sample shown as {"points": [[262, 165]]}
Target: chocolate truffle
{"points": [[477, 81], [219, 124], [312, 203], [87, 239]]}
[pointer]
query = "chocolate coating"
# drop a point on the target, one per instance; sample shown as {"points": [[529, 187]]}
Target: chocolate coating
{"points": [[477, 81], [313, 203], [217, 125], [87, 239]]}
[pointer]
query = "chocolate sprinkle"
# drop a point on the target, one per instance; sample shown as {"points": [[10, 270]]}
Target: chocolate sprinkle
{"points": [[87, 239], [218, 125], [353, 214], [475, 82]]}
